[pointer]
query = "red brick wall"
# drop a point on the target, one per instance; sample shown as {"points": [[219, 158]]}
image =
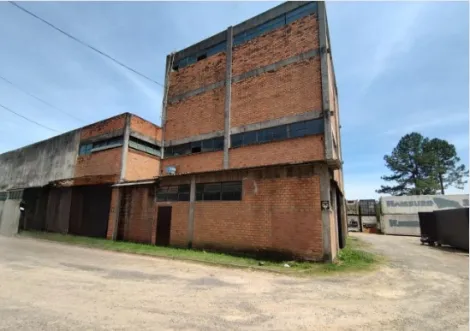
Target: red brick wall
{"points": [[280, 215], [141, 165], [295, 38], [291, 90], [201, 73], [102, 127], [106, 162], [146, 128], [138, 213], [295, 150], [208, 161], [202, 113], [113, 210]]}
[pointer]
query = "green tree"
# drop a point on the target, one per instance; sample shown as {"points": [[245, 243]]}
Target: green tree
{"points": [[444, 164], [411, 167]]}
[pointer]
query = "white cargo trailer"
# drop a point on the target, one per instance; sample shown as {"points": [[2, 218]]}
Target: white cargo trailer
{"points": [[403, 225], [414, 204]]}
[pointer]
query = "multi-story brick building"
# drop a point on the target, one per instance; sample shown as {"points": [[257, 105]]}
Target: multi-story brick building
{"points": [[66, 180], [251, 157], [252, 147]]}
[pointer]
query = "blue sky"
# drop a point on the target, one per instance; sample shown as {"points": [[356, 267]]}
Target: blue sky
{"points": [[400, 67]]}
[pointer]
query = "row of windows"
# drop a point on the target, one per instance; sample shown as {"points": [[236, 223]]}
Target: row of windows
{"points": [[88, 148], [227, 191], [3, 196], [135, 143], [144, 146], [207, 145], [243, 37], [293, 130]]}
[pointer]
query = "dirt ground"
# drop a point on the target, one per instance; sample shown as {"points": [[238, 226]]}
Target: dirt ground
{"points": [[51, 286]]}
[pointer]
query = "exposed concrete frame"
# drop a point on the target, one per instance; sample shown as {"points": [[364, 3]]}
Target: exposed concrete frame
{"points": [[192, 203], [228, 96], [325, 214], [324, 80], [241, 27], [314, 114], [142, 137], [249, 74], [116, 217], [125, 148], [165, 99]]}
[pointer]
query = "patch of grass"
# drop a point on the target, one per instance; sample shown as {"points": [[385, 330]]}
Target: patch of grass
{"points": [[352, 258]]}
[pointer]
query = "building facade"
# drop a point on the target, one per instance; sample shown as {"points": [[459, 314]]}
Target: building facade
{"points": [[252, 146], [248, 159], [66, 181]]}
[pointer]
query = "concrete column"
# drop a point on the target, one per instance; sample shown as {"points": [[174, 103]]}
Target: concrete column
{"points": [[169, 64], [325, 213], [192, 199], [228, 96], [125, 147], [117, 207], [324, 48]]}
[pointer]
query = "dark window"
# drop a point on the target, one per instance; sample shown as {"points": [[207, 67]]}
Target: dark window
{"points": [[85, 149], [199, 192], [232, 191], [196, 147], [208, 145], [201, 57], [114, 142], [306, 128], [228, 191], [144, 146], [249, 138], [211, 192], [218, 143], [173, 193], [237, 140], [183, 192]]}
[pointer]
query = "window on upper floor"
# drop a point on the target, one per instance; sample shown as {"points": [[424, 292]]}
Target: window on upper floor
{"points": [[144, 146], [200, 146], [293, 130], [247, 35]]}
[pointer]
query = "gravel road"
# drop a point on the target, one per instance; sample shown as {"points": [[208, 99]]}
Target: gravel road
{"points": [[52, 286]]}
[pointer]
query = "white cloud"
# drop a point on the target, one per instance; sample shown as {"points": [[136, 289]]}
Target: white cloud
{"points": [[417, 125], [397, 39]]}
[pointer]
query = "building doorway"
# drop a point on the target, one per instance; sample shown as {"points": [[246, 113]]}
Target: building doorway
{"points": [[163, 226]]}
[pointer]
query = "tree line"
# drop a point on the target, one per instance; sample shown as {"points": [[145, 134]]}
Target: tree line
{"points": [[421, 165]]}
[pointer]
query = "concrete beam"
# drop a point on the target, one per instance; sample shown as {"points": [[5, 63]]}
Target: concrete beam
{"points": [[195, 92], [252, 73], [142, 137], [276, 66], [228, 96], [125, 148], [314, 114]]}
